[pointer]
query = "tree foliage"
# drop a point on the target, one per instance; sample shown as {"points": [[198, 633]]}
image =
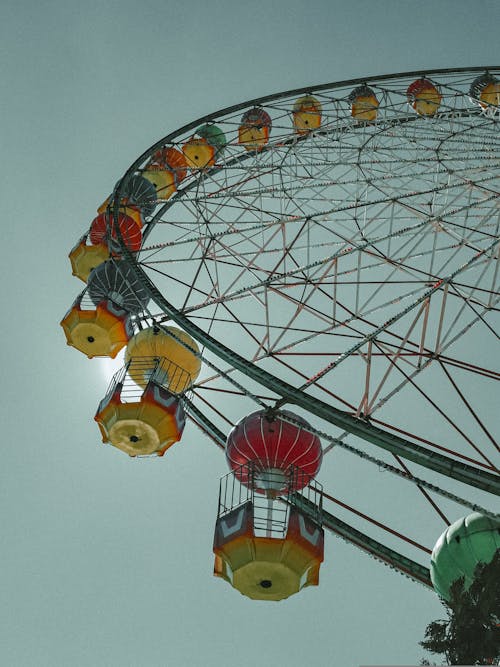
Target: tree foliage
{"points": [[471, 633]]}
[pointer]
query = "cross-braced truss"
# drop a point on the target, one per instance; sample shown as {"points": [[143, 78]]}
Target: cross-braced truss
{"points": [[357, 264]]}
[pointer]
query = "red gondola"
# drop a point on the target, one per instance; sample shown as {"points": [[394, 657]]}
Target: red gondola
{"points": [[130, 230]]}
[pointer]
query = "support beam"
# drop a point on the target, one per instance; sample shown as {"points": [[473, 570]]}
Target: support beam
{"points": [[376, 549], [391, 442]]}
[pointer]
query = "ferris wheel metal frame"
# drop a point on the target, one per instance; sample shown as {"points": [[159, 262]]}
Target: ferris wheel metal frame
{"points": [[398, 443]]}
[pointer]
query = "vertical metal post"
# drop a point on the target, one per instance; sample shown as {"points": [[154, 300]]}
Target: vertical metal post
{"points": [[269, 517]]}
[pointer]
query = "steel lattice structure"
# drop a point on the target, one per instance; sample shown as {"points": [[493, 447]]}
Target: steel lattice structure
{"points": [[352, 273]]}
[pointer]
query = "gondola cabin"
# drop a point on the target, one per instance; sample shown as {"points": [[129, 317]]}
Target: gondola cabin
{"points": [[268, 549], [138, 191], [266, 567], [140, 425], [204, 147], [166, 170], [102, 228], [485, 91], [470, 540], [129, 210], [179, 351], [364, 104], [101, 331], [253, 132], [84, 258], [424, 97], [114, 281], [306, 114]]}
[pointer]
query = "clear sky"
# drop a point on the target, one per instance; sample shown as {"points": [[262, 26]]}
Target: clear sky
{"points": [[104, 560]]}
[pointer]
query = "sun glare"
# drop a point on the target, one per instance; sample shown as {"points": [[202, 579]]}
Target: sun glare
{"points": [[108, 366]]}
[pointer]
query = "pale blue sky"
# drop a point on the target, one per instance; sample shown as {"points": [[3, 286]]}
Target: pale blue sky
{"points": [[107, 561]]}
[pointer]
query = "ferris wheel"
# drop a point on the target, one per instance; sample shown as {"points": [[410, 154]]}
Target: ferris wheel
{"points": [[324, 263]]}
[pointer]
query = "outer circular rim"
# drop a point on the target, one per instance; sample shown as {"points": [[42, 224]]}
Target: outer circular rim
{"points": [[289, 93], [481, 479]]}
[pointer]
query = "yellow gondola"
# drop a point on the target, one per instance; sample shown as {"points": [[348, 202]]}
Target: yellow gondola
{"points": [[267, 568], [306, 114], [84, 258], [485, 90], [181, 364]]}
